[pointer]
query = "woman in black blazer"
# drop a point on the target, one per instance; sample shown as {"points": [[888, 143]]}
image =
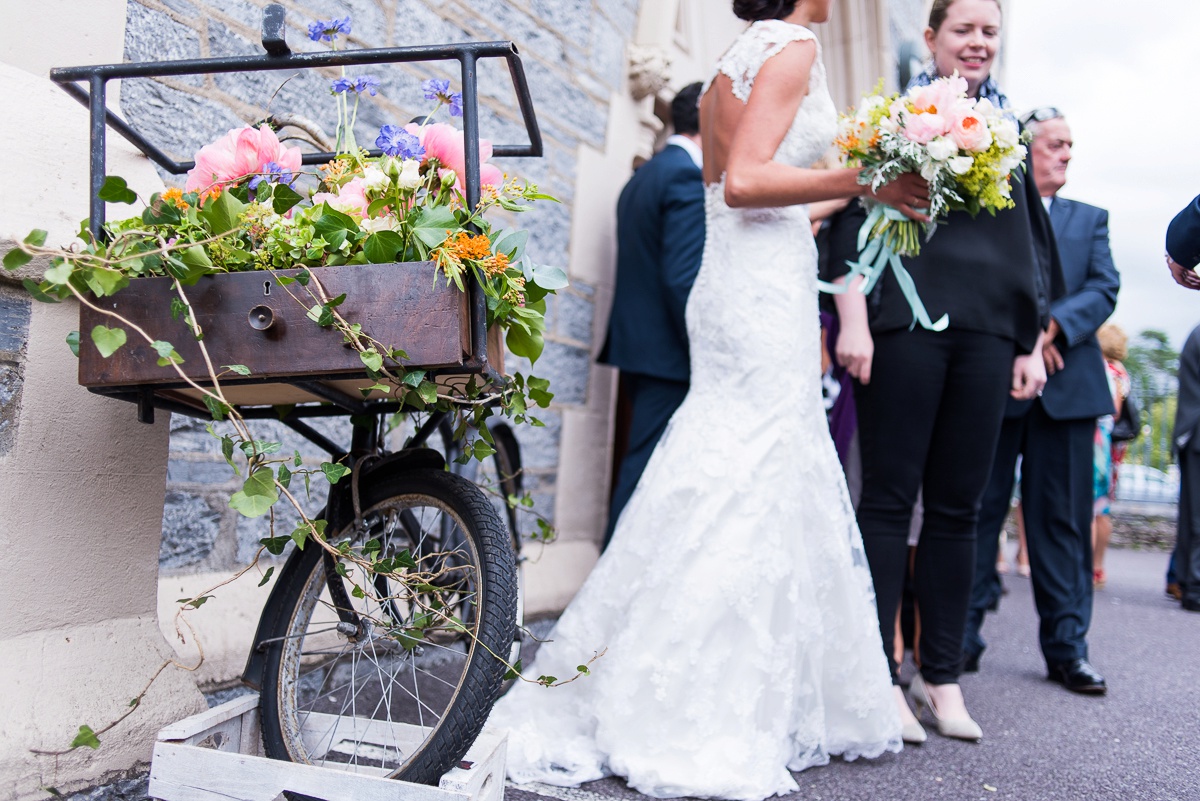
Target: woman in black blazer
{"points": [[930, 404]]}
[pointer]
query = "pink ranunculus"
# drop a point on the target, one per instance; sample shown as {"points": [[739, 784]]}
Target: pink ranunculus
{"points": [[970, 132], [351, 198], [924, 128], [241, 152], [448, 145]]}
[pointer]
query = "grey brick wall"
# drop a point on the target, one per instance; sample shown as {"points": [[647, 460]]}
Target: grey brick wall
{"points": [[14, 331], [573, 53]]}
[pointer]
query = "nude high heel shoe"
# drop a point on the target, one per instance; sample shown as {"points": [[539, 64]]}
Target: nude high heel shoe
{"points": [[962, 728], [911, 730]]}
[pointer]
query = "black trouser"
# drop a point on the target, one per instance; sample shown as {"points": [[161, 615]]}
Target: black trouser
{"points": [[653, 401], [929, 419], [1057, 501], [1187, 542]]}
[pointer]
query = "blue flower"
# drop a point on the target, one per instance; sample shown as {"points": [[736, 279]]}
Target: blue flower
{"points": [[272, 172], [340, 85], [397, 142], [366, 83], [439, 90], [328, 29]]}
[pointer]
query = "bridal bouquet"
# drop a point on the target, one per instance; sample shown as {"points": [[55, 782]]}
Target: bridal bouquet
{"points": [[966, 148]]}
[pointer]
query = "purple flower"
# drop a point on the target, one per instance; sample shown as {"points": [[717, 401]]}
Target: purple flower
{"points": [[272, 172], [328, 29], [340, 85], [439, 90], [366, 83], [397, 142]]}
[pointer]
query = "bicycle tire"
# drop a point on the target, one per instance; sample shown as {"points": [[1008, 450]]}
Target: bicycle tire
{"points": [[296, 722]]}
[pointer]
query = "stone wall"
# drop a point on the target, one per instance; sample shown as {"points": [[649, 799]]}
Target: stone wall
{"points": [[14, 332], [573, 53]]}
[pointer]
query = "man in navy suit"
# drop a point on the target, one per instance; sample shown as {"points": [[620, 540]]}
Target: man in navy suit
{"points": [[660, 238], [1055, 434]]}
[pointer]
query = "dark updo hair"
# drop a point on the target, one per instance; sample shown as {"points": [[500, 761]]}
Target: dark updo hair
{"points": [[754, 10], [939, 9], [685, 109]]}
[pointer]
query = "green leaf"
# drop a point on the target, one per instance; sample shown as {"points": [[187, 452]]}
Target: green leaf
{"points": [[166, 353], [481, 450], [513, 672], [383, 247], [36, 291], [283, 198], [334, 472], [366, 391], [73, 342], [115, 190], [275, 545], [18, 258], [86, 737], [547, 277], [216, 408], [257, 495], [222, 213], [267, 576], [194, 603], [285, 476], [428, 391], [512, 244], [413, 378], [332, 226], [525, 343], [583, 669], [240, 369], [103, 281], [373, 359], [59, 274], [321, 315], [178, 308], [108, 340], [227, 452], [300, 536], [160, 212], [432, 223]]}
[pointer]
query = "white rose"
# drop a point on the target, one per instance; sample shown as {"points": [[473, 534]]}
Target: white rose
{"points": [[942, 148], [984, 107], [410, 174], [961, 165], [376, 180], [1006, 134], [373, 225]]}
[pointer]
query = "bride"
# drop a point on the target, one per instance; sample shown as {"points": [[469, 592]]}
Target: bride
{"points": [[734, 603]]}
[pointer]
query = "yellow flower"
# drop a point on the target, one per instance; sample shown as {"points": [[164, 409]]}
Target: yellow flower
{"points": [[175, 198]]}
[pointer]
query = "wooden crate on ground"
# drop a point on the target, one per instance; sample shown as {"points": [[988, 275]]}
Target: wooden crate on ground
{"points": [[216, 755]]}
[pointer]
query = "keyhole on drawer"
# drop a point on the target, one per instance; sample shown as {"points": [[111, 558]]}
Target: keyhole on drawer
{"points": [[266, 287]]}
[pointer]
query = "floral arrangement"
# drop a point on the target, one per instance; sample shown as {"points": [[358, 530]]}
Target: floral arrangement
{"points": [[966, 148], [243, 208]]}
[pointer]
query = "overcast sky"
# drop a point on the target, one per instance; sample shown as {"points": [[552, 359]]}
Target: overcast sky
{"points": [[1125, 75]]}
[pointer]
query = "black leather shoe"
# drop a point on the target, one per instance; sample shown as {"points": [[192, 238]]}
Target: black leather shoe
{"points": [[1190, 605], [1079, 677]]}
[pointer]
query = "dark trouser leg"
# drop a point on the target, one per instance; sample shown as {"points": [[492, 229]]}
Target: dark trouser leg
{"points": [[896, 414], [993, 510], [1187, 549], [961, 454], [654, 401], [1057, 490]]}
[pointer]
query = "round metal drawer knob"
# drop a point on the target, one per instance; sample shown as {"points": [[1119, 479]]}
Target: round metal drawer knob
{"points": [[261, 318]]}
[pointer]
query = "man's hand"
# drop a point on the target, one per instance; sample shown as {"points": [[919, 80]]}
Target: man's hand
{"points": [[1183, 276], [1050, 353], [1028, 376]]}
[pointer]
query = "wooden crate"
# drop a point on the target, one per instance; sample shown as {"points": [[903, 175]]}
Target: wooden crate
{"points": [[216, 755], [250, 319]]}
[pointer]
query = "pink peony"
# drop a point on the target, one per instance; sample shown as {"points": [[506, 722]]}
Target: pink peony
{"points": [[970, 132], [924, 128], [448, 145], [241, 152], [351, 198]]}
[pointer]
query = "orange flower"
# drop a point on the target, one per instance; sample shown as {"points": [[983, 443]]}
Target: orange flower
{"points": [[465, 245], [175, 198]]}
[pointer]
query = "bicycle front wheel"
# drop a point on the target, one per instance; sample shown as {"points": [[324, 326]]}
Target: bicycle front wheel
{"points": [[393, 675]]}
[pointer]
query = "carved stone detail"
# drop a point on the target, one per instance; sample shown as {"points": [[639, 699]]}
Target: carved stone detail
{"points": [[649, 70]]}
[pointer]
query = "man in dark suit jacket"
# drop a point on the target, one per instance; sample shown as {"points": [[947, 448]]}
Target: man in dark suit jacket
{"points": [[1055, 433], [660, 239], [1183, 254]]}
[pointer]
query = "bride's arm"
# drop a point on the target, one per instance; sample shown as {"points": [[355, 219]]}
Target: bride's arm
{"points": [[753, 179]]}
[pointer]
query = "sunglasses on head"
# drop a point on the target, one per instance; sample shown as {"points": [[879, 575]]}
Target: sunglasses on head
{"points": [[1041, 115]]}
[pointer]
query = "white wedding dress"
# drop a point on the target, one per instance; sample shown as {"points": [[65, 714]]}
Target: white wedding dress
{"points": [[734, 603]]}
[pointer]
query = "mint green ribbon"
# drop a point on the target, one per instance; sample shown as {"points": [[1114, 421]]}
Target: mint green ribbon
{"points": [[874, 256]]}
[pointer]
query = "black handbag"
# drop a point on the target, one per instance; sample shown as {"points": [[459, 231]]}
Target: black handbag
{"points": [[1129, 424]]}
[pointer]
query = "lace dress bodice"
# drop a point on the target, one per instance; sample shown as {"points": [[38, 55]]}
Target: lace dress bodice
{"points": [[734, 603]]}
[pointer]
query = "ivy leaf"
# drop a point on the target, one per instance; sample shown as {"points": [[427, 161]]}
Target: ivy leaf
{"points": [[539, 391], [115, 190], [513, 672], [300, 536], [59, 274], [373, 359], [178, 307], [413, 378], [160, 212], [267, 576], [221, 214], [285, 476], [36, 291], [257, 495], [216, 408], [73, 342], [194, 603], [284, 198], [334, 472], [428, 391], [382, 247], [108, 340], [227, 452], [18, 258], [274, 545], [240, 369], [86, 737], [166, 353], [432, 224], [321, 315], [481, 450]]}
